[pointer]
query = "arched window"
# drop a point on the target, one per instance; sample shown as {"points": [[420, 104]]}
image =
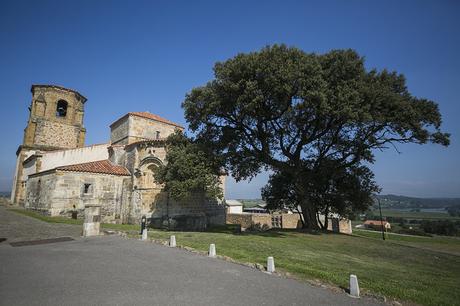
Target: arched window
{"points": [[61, 108], [147, 167], [149, 179]]}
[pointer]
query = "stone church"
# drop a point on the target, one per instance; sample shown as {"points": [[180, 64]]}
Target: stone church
{"points": [[56, 173]]}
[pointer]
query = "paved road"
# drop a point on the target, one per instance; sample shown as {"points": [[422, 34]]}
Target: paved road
{"points": [[16, 227], [110, 270]]}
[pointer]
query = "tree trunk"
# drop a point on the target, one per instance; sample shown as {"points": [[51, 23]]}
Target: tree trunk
{"points": [[309, 215], [321, 225], [326, 218], [300, 217]]}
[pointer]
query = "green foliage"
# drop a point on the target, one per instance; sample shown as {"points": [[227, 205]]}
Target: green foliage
{"points": [[297, 113], [333, 189], [441, 227], [454, 211], [188, 170]]}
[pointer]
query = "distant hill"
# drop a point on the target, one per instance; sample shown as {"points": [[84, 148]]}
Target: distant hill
{"points": [[5, 194], [397, 201], [391, 201], [248, 203]]}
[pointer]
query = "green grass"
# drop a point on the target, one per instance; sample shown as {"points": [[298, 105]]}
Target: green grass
{"points": [[416, 269], [445, 244], [48, 219], [121, 227]]}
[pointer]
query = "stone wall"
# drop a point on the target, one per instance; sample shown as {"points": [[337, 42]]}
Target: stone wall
{"points": [[194, 213], [40, 193], [119, 132], [337, 224], [291, 221], [19, 180], [55, 193], [264, 221], [56, 134], [345, 226], [245, 220], [132, 128], [143, 128], [285, 221]]}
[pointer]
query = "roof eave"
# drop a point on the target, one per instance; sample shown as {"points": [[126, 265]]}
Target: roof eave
{"points": [[82, 97]]}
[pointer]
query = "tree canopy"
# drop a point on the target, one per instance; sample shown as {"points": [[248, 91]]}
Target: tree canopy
{"points": [[338, 190], [297, 113], [188, 169]]}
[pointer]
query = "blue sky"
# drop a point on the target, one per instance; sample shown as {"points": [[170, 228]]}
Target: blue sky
{"points": [[146, 55]]}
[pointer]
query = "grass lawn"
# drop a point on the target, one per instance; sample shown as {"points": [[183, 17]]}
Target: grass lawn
{"points": [[444, 244], [48, 219], [416, 215], [416, 269]]}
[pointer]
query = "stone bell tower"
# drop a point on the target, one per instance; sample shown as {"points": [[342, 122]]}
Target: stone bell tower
{"points": [[55, 123]]}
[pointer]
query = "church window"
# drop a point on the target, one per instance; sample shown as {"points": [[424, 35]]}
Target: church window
{"points": [[61, 108], [148, 179], [276, 222], [86, 188], [158, 135]]}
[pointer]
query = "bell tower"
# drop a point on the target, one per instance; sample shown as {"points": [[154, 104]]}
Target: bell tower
{"points": [[55, 120], [55, 123]]}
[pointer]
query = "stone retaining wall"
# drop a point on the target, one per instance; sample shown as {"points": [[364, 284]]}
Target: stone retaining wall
{"points": [[285, 221]]}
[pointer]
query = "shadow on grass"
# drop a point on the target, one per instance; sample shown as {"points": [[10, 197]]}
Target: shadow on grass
{"points": [[274, 232], [232, 229]]}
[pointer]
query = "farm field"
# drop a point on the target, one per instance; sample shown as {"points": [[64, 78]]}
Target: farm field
{"points": [[421, 215]]}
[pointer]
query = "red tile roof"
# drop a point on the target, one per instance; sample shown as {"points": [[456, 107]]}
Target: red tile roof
{"points": [[375, 222], [151, 116], [101, 166]]}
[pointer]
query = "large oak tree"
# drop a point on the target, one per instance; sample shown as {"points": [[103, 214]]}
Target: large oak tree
{"points": [[294, 113]]}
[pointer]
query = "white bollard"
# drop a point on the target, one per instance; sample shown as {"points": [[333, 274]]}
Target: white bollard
{"points": [[172, 241], [144, 234], [270, 265], [354, 287], [212, 250]]}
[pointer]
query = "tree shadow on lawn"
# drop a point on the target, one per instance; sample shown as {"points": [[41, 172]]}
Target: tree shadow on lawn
{"points": [[274, 232], [234, 229]]}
